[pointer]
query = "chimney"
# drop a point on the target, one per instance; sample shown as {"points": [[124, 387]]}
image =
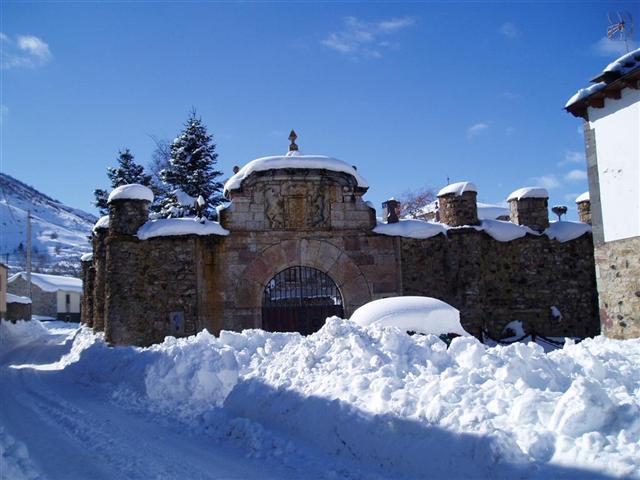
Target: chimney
{"points": [[583, 203], [128, 208], [529, 206], [458, 205]]}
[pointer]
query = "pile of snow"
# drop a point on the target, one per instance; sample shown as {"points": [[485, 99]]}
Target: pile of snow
{"points": [[13, 335], [133, 191], [87, 257], [583, 198], [424, 315], [11, 298], [169, 227], [319, 162], [411, 228], [407, 405], [51, 283], [491, 212], [565, 231], [103, 222], [457, 189], [528, 192], [504, 231]]}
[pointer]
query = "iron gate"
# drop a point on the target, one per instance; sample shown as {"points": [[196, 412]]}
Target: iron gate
{"points": [[299, 299]]}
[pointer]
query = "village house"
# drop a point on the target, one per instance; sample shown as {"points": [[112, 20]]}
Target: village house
{"points": [[297, 243], [52, 296], [610, 108]]}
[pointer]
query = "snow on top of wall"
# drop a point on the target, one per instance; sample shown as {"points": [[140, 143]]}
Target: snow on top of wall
{"points": [[411, 228], [170, 227], [51, 283], [500, 230], [457, 188], [103, 222], [87, 257], [424, 315], [133, 191], [11, 298], [528, 192], [565, 231], [491, 212], [583, 198], [291, 160]]}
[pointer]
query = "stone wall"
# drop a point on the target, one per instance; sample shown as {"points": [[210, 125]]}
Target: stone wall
{"points": [[492, 282], [18, 311], [86, 305], [42, 303], [99, 266], [618, 277]]}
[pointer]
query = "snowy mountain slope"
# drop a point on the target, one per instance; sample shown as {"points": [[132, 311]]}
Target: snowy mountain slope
{"points": [[59, 232]]}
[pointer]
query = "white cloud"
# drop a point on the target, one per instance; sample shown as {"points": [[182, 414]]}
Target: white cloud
{"points": [[509, 30], [606, 47], [476, 129], [25, 51], [547, 181], [571, 156], [364, 39], [576, 175]]}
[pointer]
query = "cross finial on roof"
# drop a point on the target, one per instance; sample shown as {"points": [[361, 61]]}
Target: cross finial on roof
{"points": [[292, 138]]}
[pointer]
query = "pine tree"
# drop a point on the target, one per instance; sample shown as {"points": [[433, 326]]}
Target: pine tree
{"points": [[192, 171], [127, 172]]}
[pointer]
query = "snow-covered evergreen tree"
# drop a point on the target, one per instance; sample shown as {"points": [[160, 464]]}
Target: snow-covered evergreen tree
{"points": [[127, 172], [191, 173]]}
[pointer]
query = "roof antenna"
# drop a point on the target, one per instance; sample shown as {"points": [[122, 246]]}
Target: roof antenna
{"points": [[620, 27], [292, 138]]}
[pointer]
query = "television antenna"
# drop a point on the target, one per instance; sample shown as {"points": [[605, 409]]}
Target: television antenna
{"points": [[620, 27]]}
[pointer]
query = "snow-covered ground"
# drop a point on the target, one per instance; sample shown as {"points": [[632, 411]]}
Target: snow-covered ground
{"points": [[345, 402]]}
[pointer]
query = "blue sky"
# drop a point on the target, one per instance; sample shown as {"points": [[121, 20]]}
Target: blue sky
{"points": [[411, 93]]}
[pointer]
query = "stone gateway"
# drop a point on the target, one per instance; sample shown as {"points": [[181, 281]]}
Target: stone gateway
{"points": [[297, 243]]}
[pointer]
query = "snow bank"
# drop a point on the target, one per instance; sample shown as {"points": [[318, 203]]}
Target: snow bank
{"points": [[13, 335], [528, 192], [457, 189], [319, 162], [417, 314], [87, 257], [51, 283], [133, 191], [11, 298], [583, 198], [411, 229], [565, 230], [168, 227], [103, 222]]}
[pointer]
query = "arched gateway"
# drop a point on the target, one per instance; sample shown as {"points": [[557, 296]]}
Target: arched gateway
{"points": [[299, 299]]}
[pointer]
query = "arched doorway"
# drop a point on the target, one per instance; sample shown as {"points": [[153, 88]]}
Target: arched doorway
{"points": [[299, 299]]}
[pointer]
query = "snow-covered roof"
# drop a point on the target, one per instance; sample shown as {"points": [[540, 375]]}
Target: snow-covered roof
{"points": [[491, 212], [528, 192], [628, 64], [133, 191], [583, 198], [103, 222], [424, 315], [170, 227], [293, 160], [51, 283], [11, 298], [457, 188], [87, 257]]}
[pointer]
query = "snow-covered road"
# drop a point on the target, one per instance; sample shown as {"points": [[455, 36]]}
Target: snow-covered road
{"points": [[53, 427]]}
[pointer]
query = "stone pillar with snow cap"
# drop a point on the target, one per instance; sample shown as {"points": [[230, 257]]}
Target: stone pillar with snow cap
{"points": [[529, 206], [88, 277], [458, 205], [128, 208], [99, 257], [583, 203]]}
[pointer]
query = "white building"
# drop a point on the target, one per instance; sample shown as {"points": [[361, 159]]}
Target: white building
{"points": [[52, 296], [611, 110]]}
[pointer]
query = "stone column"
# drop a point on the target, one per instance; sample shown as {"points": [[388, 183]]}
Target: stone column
{"points": [[99, 266], [584, 208], [530, 207], [458, 205], [86, 307]]}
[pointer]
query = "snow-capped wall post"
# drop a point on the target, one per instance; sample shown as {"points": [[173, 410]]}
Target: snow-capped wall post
{"points": [[458, 206], [129, 209], [390, 210], [583, 203], [88, 276], [100, 232], [529, 206]]}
